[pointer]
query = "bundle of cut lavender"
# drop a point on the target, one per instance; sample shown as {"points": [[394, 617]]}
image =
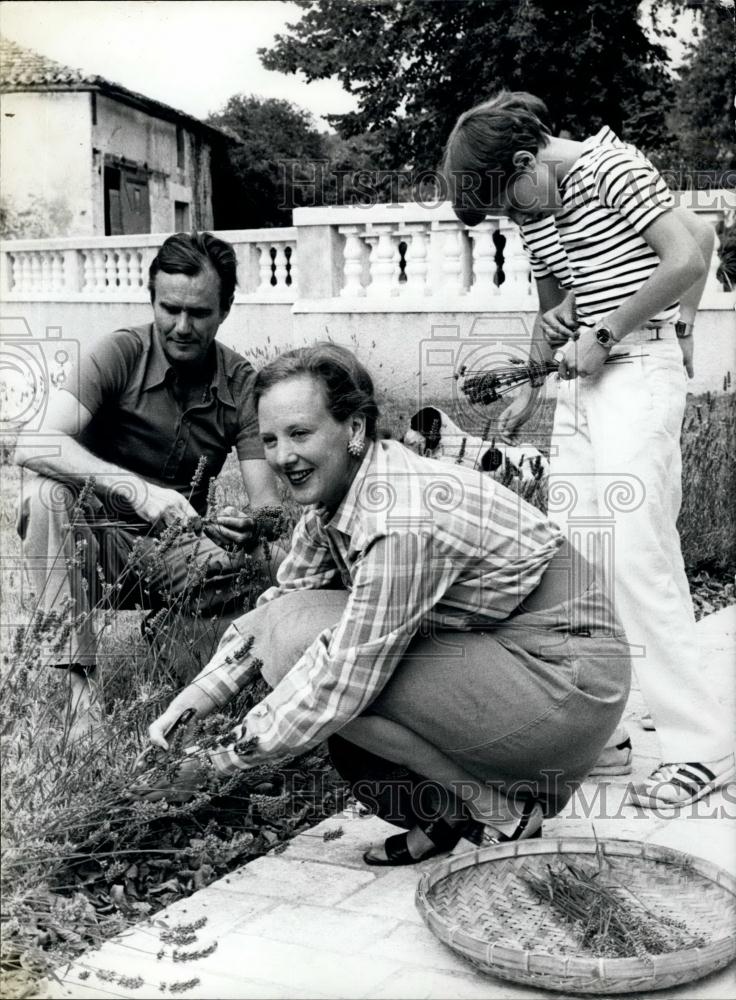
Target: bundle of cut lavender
{"points": [[610, 921], [486, 386]]}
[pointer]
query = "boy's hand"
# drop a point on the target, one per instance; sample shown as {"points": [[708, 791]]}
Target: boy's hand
{"points": [[687, 345], [584, 357], [560, 323], [516, 413]]}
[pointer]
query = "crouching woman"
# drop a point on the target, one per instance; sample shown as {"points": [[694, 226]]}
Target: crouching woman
{"points": [[457, 653]]}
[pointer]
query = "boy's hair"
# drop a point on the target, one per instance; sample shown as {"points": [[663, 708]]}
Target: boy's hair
{"points": [[347, 385], [190, 253], [478, 156]]}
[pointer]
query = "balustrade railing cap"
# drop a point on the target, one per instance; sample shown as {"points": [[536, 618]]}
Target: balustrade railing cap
{"points": [[399, 213]]}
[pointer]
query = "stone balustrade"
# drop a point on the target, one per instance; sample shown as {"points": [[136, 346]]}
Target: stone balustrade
{"points": [[115, 268], [403, 257], [406, 285]]}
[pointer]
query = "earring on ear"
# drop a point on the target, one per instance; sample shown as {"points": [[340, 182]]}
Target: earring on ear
{"points": [[356, 446]]}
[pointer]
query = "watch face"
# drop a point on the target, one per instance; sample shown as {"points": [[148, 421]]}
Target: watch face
{"points": [[603, 336]]}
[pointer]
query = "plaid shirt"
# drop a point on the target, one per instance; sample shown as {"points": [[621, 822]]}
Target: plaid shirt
{"points": [[420, 545]]}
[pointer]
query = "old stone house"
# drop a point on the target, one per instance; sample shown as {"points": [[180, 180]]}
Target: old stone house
{"points": [[108, 160]]}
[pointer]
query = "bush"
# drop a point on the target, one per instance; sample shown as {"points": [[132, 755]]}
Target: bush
{"points": [[708, 514], [80, 858]]}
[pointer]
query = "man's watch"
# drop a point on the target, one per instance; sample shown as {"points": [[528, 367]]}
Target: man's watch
{"points": [[683, 330], [604, 336]]}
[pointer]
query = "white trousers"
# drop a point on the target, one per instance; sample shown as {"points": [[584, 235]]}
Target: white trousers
{"points": [[615, 485]]}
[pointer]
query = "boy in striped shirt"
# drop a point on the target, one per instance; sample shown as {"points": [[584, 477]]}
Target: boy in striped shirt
{"points": [[619, 270]]}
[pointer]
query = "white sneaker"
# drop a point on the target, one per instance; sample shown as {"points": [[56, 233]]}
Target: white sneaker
{"points": [[675, 785]]}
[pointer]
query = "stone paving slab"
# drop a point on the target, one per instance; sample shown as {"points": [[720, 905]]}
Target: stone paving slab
{"points": [[315, 922]]}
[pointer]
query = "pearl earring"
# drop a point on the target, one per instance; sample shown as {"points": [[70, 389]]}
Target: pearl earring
{"points": [[356, 446]]}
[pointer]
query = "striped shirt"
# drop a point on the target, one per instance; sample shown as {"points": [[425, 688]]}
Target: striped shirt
{"points": [[595, 245], [419, 545]]}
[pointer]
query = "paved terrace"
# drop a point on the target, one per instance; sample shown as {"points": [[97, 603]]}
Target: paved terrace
{"points": [[314, 921]]}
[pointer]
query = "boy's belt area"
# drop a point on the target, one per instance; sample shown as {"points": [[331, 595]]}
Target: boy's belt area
{"points": [[649, 334]]}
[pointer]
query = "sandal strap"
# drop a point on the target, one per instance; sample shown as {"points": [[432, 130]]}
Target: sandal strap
{"points": [[397, 850], [443, 836]]}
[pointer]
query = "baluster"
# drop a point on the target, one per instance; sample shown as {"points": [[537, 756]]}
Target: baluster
{"points": [[88, 271], [13, 271], [452, 264], [135, 270], [382, 265], [45, 275], [264, 268], [281, 272], [516, 265], [35, 276], [24, 272], [353, 253], [483, 260], [123, 271], [98, 271], [293, 268], [417, 264], [57, 272], [111, 271]]}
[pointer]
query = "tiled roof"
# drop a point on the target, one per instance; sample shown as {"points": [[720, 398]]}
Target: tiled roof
{"points": [[23, 69]]}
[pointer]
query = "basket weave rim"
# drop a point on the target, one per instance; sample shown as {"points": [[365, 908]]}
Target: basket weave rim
{"points": [[596, 967]]}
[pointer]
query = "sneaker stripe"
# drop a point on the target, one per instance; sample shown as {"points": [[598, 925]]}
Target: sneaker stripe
{"points": [[706, 770], [684, 772], [692, 789]]}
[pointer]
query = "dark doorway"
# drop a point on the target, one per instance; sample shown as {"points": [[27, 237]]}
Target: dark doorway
{"points": [[127, 204]]}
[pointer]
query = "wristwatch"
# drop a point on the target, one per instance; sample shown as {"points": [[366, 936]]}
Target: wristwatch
{"points": [[683, 330], [604, 336]]}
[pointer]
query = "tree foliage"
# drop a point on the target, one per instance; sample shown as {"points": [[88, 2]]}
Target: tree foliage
{"points": [[279, 143], [414, 66], [702, 118], [283, 161]]}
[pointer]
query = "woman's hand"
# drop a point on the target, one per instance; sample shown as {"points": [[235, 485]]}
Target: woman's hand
{"points": [[188, 779]]}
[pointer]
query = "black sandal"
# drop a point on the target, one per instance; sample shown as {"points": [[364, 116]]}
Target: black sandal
{"points": [[529, 827], [443, 836]]}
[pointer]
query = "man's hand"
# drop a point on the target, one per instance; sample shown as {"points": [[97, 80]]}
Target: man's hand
{"points": [[584, 357], [687, 346], [560, 323], [232, 529], [158, 505]]}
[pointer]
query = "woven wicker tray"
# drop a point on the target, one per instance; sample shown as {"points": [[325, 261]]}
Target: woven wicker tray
{"points": [[478, 905]]}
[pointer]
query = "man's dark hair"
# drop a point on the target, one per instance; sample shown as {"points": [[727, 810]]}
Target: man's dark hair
{"points": [[189, 253], [347, 385]]}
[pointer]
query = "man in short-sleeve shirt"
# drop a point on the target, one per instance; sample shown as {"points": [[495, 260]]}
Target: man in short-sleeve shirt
{"points": [[134, 439]]}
